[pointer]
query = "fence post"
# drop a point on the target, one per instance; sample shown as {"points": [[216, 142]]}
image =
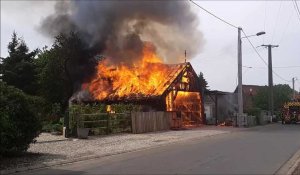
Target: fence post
{"points": [[107, 124]]}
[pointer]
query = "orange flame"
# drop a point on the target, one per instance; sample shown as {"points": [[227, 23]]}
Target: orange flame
{"points": [[120, 81]]}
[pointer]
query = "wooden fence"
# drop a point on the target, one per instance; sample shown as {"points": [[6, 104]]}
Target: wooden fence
{"points": [[136, 122], [143, 122], [106, 123]]}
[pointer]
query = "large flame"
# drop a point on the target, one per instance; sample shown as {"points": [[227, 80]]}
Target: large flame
{"points": [[143, 78]]}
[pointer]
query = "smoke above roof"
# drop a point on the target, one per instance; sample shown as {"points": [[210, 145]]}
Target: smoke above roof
{"points": [[119, 29]]}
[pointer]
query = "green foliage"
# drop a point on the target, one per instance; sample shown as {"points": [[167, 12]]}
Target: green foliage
{"points": [[50, 126], [19, 124], [282, 94], [66, 63], [123, 108], [47, 127], [18, 68], [57, 127], [52, 81], [76, 110], [93, 112], [203, 82], [254, 112]]}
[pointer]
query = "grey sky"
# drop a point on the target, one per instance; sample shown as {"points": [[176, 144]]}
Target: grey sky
{"points": [[218, 60]]}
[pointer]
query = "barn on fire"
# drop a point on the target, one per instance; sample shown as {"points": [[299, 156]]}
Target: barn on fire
{"points": [[178, 91]]}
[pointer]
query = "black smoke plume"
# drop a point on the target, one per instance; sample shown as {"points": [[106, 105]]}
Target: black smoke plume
{"points": [[118, 29]]}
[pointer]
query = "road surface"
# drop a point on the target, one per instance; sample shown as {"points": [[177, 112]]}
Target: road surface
{"points": [[258, 150]]}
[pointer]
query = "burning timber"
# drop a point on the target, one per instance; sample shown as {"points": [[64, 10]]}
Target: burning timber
{"points": [[148, 83], [156, 87], [172, 77]]}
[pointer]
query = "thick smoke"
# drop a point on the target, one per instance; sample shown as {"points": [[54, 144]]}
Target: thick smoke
{"points": [[118, 29]]}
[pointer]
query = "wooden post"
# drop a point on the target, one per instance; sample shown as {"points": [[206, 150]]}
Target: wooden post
{"points": [[107, 124]]}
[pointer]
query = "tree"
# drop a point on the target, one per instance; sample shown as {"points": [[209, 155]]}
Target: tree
{"points": [[203, 82], [63, 68], [19, 122], [18, 68], [51, 81], [282, 94]]}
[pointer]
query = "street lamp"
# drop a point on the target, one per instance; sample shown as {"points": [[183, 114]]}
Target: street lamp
{"points": [[240, 81], [258, 34]]}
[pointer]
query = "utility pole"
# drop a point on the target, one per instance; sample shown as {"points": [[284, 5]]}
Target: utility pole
{"points": [[270, 78], [240, 80], [294, 92], [293, 79], [240, 70]]}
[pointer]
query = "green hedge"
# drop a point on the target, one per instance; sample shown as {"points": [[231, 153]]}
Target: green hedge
{"points": [[19, 120]]}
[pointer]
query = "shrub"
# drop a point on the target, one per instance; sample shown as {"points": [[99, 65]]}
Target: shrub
{"points": [[57, 127], [76, 111], [123, 108], [19, 125], [255, 112], [47, 127]]}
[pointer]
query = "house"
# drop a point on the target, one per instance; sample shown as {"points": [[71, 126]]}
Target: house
{"points": [[223, 106], [249, 91], [176, 88]]}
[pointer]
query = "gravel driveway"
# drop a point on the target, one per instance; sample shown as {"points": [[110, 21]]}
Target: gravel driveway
{"points": [[49, 148]]}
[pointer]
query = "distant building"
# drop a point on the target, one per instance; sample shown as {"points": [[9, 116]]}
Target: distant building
{"points": [[219, 106], [249, 91]]}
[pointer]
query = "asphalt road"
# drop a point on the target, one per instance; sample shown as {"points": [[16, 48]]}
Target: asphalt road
{"points": [[258, 150]]}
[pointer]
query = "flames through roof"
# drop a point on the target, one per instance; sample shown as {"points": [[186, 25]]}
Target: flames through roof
{"points": [[171, 72]]}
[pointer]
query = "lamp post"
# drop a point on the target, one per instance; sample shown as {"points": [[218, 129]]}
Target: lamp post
{"points": [[240, 67]]}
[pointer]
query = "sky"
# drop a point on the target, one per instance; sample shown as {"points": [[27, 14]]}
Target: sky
{"points": [[218, 58]]}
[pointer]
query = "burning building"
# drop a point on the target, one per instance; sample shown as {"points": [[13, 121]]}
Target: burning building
{"points": [[152, 85], [131, 35]]}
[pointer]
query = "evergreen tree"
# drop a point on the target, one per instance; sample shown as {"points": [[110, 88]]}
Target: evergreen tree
{"points": [[18, 68], [203, 82], [63, 67]]}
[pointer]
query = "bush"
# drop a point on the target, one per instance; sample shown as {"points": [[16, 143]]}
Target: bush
{"points": [[255, 112], [76, 111], [47, 127], [123, 108], [57, 127], [19, 124]]}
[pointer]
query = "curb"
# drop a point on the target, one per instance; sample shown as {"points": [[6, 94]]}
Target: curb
{"points": [[290, 165], [78, 159]]}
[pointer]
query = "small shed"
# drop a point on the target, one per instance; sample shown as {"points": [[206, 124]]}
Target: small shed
{"points": [[179, 92], [220, 107]]}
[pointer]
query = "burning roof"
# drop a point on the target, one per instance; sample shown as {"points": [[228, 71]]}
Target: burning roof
{"points": [[149, 81], [148, 78]]}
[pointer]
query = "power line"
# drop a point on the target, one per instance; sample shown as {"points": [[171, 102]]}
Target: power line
{"points": [[214, 15], [254, 48], [243, 33], [265, 20], [262, 58], [281, 67], [296, 8], [275, 27], [286, 27], [275, 67], [281, 77]]}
